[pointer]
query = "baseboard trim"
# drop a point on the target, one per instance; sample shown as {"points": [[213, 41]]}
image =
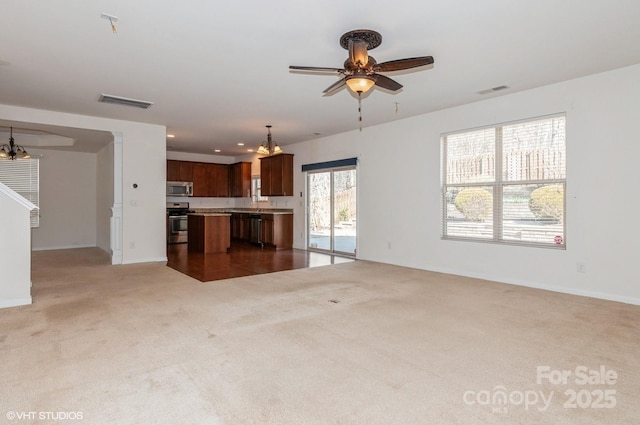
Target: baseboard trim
{"points": [[146, 260], [560, 289], [52, 248], [15, 302]]}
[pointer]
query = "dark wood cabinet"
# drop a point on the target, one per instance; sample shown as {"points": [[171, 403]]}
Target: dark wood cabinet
{"points": [[179, 171], [240, 226], [277, 230], [218, 180], [209, 233], [200, 180], [267, 229], [240, 179], [265, 176], [212, 180], [235, 226], [276, 175]]}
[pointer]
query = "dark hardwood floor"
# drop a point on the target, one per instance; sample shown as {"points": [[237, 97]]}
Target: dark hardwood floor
{"points": [[243, 259]]}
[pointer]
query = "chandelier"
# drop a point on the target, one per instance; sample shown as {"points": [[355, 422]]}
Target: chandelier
{"points": [[269, 147], [13, 151]]}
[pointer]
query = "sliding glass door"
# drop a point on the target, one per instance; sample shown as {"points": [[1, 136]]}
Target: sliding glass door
{"points": [[332, 210]]}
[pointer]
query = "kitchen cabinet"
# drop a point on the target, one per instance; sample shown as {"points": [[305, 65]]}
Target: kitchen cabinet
{"points": [[240, 179], [200, 183], [209, 233], [210, 180], [218, 180], [240, 227], [276, 230], [235, 226], [179, 171], [276, 175], [267, 229]]}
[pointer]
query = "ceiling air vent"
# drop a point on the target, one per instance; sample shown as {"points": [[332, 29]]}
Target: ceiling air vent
{"points": [[107, 98], [492, 89]]}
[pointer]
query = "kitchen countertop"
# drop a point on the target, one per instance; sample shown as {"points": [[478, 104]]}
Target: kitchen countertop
{"points": [[229, 211], [208, 214]]}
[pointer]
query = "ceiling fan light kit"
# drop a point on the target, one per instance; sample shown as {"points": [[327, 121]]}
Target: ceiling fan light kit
{"points": [[360, 84]]}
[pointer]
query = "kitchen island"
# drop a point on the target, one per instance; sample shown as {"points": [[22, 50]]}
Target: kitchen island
{"points": [[274, 231], [209, 232]]}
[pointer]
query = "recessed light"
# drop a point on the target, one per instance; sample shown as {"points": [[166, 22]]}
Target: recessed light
{"points": [[249, 150], [216, 150], [170, 136], [240, 144]]}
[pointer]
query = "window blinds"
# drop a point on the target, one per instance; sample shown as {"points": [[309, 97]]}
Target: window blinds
{"points": [[23, 176]]}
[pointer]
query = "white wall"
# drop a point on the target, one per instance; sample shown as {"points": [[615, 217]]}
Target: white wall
{"points": [[142, 231], [67, 200], [104, 197], [200, 157], [399, 189], [144, 208]]}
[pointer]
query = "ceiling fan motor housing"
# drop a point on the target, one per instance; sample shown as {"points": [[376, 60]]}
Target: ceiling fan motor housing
{"points": [[372, 38]]}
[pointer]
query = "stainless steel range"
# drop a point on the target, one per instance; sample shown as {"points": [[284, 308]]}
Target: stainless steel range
{"points": [[177, 220]]}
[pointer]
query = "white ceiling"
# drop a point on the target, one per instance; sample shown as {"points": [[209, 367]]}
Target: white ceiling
{"points": [[217, 72]]}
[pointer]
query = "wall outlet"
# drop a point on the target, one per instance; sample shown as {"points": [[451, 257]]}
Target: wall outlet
{"points": [[132, 245], [581, 267]]}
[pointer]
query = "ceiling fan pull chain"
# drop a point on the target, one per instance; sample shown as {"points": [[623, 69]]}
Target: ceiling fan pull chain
{"points": [[360, 109]]}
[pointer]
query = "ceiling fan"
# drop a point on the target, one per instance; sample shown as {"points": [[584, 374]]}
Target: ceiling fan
{"points": [[361, 71]]}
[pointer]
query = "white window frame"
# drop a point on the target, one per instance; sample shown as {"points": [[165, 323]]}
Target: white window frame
{"points": [[498, 184]]}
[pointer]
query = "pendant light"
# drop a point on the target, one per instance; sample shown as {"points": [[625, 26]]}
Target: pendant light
{"points": [[269, 147], [13, 151]]}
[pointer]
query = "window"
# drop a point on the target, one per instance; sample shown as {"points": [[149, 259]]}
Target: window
{"points": [[22, 175], [506, 183], [255, 190]]}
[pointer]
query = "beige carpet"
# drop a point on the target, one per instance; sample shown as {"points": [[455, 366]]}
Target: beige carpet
{"points": [[354, 343]]}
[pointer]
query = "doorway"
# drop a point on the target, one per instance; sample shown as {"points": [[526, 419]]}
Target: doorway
{"points": [[332, 210]]}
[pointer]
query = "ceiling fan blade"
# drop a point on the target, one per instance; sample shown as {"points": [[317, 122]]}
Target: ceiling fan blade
{"points": [[335, 86], [315, 68], [400, 64], [387, 83]]}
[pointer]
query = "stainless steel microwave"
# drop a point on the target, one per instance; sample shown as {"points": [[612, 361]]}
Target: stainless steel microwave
{"points": [[179, 188]]}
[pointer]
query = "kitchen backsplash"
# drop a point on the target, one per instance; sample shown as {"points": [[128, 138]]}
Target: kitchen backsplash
{"points": [[273, 202]]}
